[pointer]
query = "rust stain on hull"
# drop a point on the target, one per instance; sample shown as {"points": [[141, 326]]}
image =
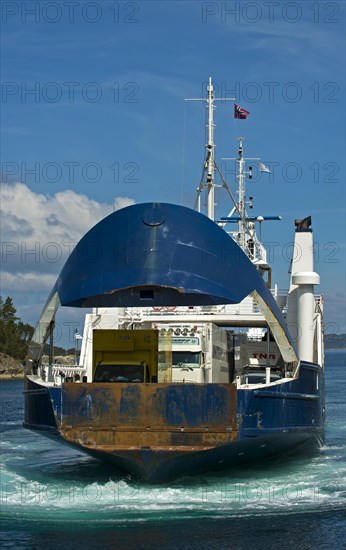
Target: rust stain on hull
{"points": [[140, 427], [111, 441]]}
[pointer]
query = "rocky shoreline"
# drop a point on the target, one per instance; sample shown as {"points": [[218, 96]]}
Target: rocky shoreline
{"points": [[10, 368]]}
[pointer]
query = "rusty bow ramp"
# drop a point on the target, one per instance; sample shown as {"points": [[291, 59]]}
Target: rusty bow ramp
{"points": [[155, 432]]}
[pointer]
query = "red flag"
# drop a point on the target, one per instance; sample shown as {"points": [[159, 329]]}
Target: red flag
{"points": [[239, 112]]}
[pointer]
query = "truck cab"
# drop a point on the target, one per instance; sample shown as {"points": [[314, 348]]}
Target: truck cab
{"points": [[187, 360], [199, 353], [124, 371]]}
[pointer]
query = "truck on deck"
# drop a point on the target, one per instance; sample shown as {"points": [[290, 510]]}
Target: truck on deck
{"points": [[200, 353], [125, 355]]}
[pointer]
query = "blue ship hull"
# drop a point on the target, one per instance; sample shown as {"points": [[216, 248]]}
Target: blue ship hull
{"points": [[191, 428]]}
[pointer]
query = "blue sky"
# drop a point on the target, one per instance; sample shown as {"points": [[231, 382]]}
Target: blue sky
{"points": [[94, 118]]}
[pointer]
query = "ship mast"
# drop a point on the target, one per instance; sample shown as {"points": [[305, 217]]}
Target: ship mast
{"points": [[245, 235], [210, 158], [241, 195], [209, 165]]}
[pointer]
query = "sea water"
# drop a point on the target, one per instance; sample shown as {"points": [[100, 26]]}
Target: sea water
{"points": [[53, 497]]}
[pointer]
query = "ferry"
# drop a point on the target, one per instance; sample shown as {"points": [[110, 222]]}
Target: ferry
{"points": [[190, 360]]}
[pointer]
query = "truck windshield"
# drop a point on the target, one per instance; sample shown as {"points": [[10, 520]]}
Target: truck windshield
{"points": [[180, 358], [119, 373]]}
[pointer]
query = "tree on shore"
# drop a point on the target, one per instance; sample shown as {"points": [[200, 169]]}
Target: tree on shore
{"points": [[14, 334]]}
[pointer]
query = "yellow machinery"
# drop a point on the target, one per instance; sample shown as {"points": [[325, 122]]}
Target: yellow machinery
{"points": [[125, 355]]}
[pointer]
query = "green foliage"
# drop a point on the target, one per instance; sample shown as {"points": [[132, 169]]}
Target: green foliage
{"points": [[15, 335]]}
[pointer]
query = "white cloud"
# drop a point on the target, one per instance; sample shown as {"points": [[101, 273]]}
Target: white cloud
{"points": [[29, 281], [39, 231], [67, 215]]}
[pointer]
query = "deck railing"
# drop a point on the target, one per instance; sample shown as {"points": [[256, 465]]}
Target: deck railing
{"points": [[61, 373]]}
